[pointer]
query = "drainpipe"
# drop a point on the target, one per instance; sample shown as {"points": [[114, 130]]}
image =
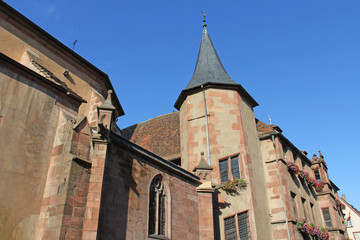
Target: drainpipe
{"points": [[207, 126], [281, 186]]}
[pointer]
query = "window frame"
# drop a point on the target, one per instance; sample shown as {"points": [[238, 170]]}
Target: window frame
{"points": [[317, 170], [329, 220], [230, 171], [356, 233], [237, 227]]}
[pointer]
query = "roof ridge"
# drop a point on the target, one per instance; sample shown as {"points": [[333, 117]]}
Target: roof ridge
{"points": [[151, 119]]}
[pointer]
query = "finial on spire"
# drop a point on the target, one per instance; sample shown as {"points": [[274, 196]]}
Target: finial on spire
{"points": [[270, 120], [204, 20]]}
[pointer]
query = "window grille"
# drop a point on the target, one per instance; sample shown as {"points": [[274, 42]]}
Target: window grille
{"points": [[230, 228], [161, 214], [237, 229], [244, 227], [327, 217]]}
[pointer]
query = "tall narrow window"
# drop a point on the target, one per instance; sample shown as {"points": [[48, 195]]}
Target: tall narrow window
{"points": [[235, 167], [327, 217], [244, 227], [293, 200], [317, 175], [157, 208], [224, 171], [230, 228], [312, 213], [304, 208]]}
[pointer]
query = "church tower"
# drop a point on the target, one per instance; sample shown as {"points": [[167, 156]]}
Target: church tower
{"points": [[217, 118]]}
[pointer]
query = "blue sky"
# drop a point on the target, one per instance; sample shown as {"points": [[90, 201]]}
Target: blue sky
{"points": [[299, 59]]}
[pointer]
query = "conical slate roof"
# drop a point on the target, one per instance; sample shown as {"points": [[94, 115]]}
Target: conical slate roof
{"points": [[210, 73], [209, 68]]}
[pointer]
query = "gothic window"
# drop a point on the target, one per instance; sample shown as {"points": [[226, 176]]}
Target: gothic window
{"points": [[157, 208], [232, 164], [237, 227], [327, 217]]}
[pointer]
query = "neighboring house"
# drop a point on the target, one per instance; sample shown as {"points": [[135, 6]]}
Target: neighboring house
{"points": [[68, 172], [352, 219]]}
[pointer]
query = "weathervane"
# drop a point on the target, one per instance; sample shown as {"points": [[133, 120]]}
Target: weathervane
{"points": [[204, 24]]}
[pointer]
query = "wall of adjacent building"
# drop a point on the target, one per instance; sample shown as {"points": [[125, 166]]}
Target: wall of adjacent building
{"points": [[29, 116]]}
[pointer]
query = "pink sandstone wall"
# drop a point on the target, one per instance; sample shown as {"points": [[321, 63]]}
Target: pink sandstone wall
{"points": [[125, 198]]}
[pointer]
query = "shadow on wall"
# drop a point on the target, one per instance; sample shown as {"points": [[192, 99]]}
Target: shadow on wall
{"points": [[217, 213], [117, 183]]}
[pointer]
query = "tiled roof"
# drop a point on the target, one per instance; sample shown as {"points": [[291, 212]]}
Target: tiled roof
{"points": [[263, 127], [160, 135]]}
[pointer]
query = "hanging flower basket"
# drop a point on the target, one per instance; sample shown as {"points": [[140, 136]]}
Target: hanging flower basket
{"points": [[233, 187], [303, 174], [293, 167], [311, 229], [319, 185]]}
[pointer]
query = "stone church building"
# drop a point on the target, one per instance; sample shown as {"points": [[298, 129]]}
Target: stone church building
{"points": [[210, 170]]}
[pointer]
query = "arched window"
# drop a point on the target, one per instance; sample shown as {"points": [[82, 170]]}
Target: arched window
{"points": [[158, 210]]}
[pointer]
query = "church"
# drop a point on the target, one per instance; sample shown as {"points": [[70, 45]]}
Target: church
{"points": [[210, 170]]}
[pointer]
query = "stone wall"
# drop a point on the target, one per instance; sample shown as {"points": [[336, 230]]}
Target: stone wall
{"points": [[125, 198]]}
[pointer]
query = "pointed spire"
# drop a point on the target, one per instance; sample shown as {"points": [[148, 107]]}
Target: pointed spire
{"points": [[209, 72], [209, 68], [108, 102], [202, 164]]}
